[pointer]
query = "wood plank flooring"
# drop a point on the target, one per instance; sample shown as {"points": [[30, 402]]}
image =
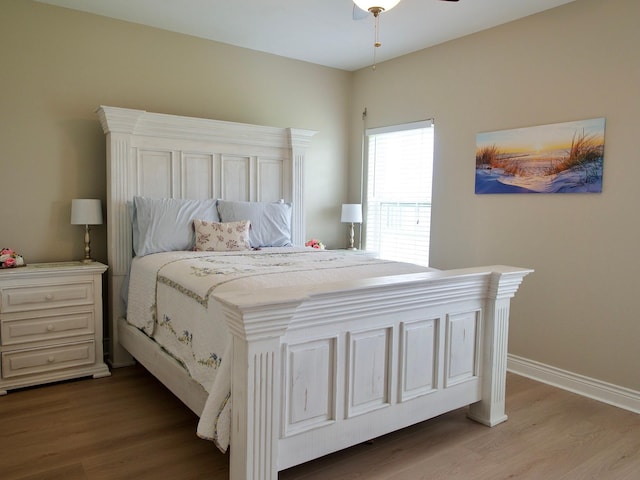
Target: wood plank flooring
{"points": [[128, 426]]}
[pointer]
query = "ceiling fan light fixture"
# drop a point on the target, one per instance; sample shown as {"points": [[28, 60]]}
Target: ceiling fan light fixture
{"points": [[376, 6]]}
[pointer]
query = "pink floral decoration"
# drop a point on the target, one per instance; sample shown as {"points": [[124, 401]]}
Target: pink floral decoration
{"points": [[314, 243], [10, 258]]}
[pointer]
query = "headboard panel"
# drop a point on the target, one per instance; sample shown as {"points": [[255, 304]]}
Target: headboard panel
{"points": [[168, 156]]}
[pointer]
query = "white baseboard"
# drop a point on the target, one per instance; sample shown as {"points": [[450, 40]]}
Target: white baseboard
{"points": [[589, 387]]}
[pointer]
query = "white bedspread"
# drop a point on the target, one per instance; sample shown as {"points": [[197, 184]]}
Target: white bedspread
{"points": [[170, 298]]}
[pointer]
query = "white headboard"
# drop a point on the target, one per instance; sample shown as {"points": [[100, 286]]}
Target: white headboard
{"points": [[168, 156]]}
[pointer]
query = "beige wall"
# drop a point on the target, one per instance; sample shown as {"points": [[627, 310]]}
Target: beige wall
{"points": [[580, 310], [59, 65]]}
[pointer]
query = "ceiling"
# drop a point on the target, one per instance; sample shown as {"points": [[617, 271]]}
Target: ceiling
{"points": [[317, 31]]}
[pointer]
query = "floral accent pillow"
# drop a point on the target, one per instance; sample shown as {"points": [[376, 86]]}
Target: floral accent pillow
{"points": [[221, 237]]}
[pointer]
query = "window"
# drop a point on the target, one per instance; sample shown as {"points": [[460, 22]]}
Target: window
{"points": [[399, 172]]}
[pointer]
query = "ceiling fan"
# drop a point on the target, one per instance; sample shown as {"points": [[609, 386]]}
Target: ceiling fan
{"points": [[362, 8]]}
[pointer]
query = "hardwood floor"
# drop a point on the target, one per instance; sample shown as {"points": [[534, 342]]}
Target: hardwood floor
{"points": [[128, 426]]}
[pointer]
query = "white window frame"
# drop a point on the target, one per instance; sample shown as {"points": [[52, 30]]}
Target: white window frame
{"points": [[410, 241]]}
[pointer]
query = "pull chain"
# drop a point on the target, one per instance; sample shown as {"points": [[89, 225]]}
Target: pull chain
{"points": [[376, 40]]}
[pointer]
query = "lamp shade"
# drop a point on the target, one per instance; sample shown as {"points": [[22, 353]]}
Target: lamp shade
{"points": [[385, 5], [85, 211], [351, 213]]}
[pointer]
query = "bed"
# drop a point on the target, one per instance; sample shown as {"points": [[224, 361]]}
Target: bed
{"points": [[310, 365]]}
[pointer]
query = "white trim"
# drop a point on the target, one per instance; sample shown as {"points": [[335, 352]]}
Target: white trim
{"points": [[588, 387]]}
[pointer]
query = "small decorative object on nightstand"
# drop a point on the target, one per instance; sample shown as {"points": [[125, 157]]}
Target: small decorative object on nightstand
{"points": [[86, 211], [351, 213], [9, 258], [50, 323], [314, 243]]}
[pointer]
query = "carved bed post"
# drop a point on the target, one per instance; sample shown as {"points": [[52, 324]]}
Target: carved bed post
{"points": [[118, 125], [255, 384], [503, 285], [300, 140]]}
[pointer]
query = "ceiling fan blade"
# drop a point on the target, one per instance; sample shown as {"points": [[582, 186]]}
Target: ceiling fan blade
{"points": [[358, 13]]}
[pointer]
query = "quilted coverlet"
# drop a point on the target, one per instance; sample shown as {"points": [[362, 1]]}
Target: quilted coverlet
{"points": [[171, 299]]}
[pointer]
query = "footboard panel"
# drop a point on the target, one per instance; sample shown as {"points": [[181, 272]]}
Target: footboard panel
{"points": [[318, 370], [374, 376]]}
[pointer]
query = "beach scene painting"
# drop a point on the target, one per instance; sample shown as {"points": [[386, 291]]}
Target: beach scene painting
{"points": [[556, 158]]}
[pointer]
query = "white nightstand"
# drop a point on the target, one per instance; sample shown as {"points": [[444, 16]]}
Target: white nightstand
{"points": [[50, 323]]}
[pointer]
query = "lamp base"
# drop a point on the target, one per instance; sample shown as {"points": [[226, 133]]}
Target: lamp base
{"points": [[87, 246], [351, 246]]}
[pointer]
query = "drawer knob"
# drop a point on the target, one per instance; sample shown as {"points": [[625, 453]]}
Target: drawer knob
{"points": [[51, 359], [48, 296], [50, 328]]}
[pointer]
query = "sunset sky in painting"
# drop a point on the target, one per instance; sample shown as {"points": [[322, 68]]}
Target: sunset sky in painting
{"points": [[543, 138]]}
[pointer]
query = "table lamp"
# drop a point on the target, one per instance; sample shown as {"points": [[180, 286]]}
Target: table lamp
{"points": [[85, 211], [351, 213]]}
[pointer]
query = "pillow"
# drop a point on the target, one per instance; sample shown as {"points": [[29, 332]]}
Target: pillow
{"points": [[166, 224], [222, 237], [270, 222]]}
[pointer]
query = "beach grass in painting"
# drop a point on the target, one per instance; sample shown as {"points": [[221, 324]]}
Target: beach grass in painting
{"points": [[558, 158]]}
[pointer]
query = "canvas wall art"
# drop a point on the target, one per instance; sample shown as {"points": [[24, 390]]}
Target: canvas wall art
{"points": [[557, 158]]}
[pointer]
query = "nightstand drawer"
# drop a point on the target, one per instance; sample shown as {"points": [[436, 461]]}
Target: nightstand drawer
{"points": [[18, 330], [36, 297], [29, 362]]}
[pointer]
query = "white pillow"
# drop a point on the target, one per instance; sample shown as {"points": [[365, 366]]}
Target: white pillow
{"points": [[222, 237], [270, 222], [166, 224]]}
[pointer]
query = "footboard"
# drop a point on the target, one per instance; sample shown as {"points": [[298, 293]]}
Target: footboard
{"points": [[316, 370]]}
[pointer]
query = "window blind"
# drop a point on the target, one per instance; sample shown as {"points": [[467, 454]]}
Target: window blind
{"points": [[398, 191]]}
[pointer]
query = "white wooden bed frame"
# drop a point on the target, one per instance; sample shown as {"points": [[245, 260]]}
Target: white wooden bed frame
{"points": [[312, 372]]}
